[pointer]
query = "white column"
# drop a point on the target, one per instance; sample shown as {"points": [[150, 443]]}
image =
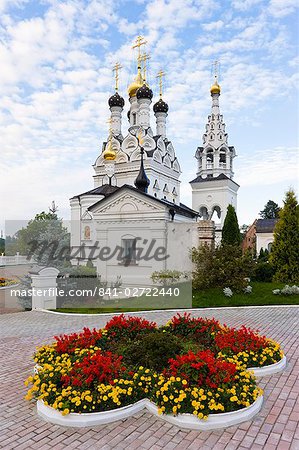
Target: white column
{"points": [[161, 123], [44, 286], [116, 120], [144, 112]]}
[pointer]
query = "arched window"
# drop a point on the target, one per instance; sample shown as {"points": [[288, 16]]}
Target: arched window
{"points": [[203, 212], [134, 118], [216, 214], [210, 159], [222, 158]]}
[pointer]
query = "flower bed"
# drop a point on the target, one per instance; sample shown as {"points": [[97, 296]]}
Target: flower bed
{"points": [[189, 366], [5, 282]]}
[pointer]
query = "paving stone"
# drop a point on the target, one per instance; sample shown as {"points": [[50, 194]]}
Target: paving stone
{"points": [[276, 427]]}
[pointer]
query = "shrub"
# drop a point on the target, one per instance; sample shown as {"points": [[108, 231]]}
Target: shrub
{"points": [[224, 266], [166, 277], [263, 271], [151, 350]]}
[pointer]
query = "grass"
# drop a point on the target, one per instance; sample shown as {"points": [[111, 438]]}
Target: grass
{"points": [[261, 295]]}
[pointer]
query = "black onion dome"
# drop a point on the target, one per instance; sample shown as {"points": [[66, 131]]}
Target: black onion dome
{"points": [[116, 100], [144, 92], [160, 106]]}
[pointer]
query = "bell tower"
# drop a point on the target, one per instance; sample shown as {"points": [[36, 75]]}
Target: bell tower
{"points": [[214, 189]]}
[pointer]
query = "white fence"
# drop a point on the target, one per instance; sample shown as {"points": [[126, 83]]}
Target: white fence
{"points": [[14, 260]]}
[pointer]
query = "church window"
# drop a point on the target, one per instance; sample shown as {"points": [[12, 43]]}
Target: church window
{"points": [[134, 118], [222, 157], [210, 156], [165, 189], [203, 212], [129, 251]]}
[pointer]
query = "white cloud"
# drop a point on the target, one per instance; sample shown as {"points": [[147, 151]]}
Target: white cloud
{"points": [[268, 167], [56, 79], [218, 25], [244, 5], [281, 8]]}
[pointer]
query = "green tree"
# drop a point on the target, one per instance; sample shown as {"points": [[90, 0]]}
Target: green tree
{"points": [[231, 232], [270, 211], [284, 255], [45, 239]]}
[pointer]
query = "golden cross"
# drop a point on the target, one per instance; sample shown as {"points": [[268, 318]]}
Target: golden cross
{"points": [[116, 69], [160, 75], [139, 42], [144, 57], [215, 69]]}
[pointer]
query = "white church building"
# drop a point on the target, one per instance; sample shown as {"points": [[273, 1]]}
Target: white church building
{"points": [[133, 216]]}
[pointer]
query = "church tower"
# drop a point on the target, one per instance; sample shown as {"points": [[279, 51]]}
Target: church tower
{"points": [[158, 155], [214, 189]]}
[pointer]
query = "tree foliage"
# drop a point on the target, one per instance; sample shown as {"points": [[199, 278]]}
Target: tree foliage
{"points": [[270, 211], [45, 239], [223, 266], [284, 254], [231, 232]]}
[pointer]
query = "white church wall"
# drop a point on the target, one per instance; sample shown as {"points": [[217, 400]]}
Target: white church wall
{"points": [[181, 237], [263, 240]]}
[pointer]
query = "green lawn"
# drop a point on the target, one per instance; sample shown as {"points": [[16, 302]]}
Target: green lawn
{"points": [[261, 295]]}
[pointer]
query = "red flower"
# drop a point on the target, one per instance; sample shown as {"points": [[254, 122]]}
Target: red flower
{"points": [[67, 343], [240, 340], [122, 326], [95, 367], [202, 368]]}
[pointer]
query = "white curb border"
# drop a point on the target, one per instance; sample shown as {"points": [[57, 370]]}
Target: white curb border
{"points": [[10, 286], [182, 310], [189, 421], [271, 369]]}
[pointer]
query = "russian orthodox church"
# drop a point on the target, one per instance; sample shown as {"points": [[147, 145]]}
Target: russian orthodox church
{"points": [[136, 194]]}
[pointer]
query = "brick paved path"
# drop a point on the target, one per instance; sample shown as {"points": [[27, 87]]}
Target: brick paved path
{"points": [[276, 427]]}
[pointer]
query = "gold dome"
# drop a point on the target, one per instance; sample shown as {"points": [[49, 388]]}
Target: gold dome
{"points": [[136, 84], [215, 89], [109, 154]]}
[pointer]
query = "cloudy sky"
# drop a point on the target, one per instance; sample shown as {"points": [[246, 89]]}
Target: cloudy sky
{"points": [[55, 79]]}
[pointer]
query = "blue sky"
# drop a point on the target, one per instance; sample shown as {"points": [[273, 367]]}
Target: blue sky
{"points": [[55, 78]]}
